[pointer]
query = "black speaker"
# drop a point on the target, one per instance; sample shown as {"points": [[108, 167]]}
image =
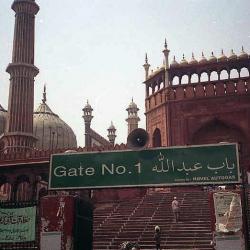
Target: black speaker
{"points": [[137, 139]]}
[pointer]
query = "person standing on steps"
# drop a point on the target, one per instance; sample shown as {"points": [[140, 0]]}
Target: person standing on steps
{"points": [[176, 209], [157, 238]]}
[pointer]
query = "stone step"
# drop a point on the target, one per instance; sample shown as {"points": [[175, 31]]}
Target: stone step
{"points": [[135, 221]]}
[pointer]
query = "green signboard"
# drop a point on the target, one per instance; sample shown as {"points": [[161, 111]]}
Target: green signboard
{"points": [[207, 164], [17, 224]]}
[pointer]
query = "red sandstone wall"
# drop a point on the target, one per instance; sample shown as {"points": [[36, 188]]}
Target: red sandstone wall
{"points": [[192, 106]]}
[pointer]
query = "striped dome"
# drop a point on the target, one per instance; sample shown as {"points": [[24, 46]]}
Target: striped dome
{"points": [[51, 131]]}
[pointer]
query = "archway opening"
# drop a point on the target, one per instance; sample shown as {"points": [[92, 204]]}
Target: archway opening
{"points": [[175, 80], [204, 77], [244, 72], [157, 138]]}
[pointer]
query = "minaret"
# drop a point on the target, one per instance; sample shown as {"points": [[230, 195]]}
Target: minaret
{"points": [[133, 118], [19, 129], [146, 66], [111, 133], [166, 54], [87, 116]]}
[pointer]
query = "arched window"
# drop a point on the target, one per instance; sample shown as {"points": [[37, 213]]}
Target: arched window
{"points": [[150, 91], [154, 87], [224, 75], [194, 78], [23, 192], [5, 192], [175, 80], [184, 79], [204, 77], [234, 74], [214, 76], [160, 84], [244, 72], [157, 138]]}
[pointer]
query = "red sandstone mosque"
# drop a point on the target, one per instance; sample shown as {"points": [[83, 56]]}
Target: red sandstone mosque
{"points": [[191, 102]]}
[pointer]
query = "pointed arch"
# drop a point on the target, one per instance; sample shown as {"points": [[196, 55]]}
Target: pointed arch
{"points": [[214, 76], [244, 72], [194, 78], [234, 73], [157, 138], [23, 190], [204, 77], [216, 131], [224, 74], [184, 79], [176, 80], [5, 192]]}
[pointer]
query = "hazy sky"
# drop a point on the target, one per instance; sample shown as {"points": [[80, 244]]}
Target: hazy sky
{"points": [[94, 49]]}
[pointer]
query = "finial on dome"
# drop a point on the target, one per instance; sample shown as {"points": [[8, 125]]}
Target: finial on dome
{"points": [[203, 58], [233, 56], [222, 57], [44, 94], [146, 58], [111, 127], [183, 62], [165, 44], [174, 63], [243, 54], [212, 58], [193, 60]]}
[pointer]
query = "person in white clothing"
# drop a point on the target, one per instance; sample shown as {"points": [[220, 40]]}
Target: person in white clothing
{"points": [[176, 209]]}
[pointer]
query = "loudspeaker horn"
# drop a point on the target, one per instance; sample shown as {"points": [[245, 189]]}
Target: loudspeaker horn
{"points": [[137, 139]]}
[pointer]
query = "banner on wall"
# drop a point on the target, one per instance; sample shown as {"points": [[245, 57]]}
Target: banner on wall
{"points": [[228, 212], [17, 224]]}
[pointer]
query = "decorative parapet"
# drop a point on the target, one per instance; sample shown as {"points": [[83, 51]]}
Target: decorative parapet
{"points": [[193, 73], [207, 89], [36, 156]]}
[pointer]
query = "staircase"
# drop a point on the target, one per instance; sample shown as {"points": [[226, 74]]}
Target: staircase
{"points": [[134, 220]]}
